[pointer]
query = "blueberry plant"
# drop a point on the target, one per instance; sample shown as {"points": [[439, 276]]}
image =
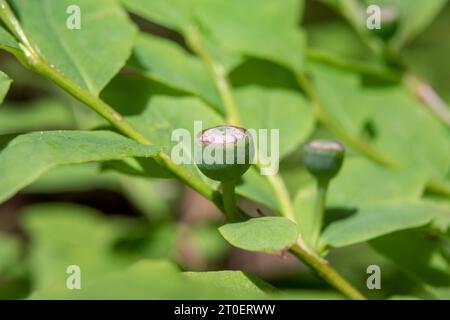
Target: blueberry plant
{"points": [[364, 143]]}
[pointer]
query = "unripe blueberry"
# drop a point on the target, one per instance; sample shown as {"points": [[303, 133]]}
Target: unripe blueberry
{"points": [[323, 159], [227, 152]]}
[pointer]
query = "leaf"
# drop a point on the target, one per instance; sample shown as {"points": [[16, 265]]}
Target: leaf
{"points": [[160, 279], [304, 204], [415, 16], [24, 158], [344, 42], [356, 107], [236, 284], [5, 83], [146, 279], [166, 62], [374, 221], [8, 42], [419, 136], [276, 109], [73, 178], [90, 56], [157, 112], [265, 29], [266, 234], [174, 14], [309, 294], [257, 188], [180, 14], [37, 115], [255, 28], [163, 115], [420, 256], [67, 234], [356, 186], [341, 96], [143, 280], [254, 71], [441, 223], [151, 197], [359, 183]]}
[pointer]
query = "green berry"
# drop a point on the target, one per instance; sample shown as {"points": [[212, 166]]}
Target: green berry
{"points": [[227, 152], [323, 159]]}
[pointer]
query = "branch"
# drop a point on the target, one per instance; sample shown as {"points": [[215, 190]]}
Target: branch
{"points": [[218, 75], [37, 63], [300, 249], [326, 272], [353, 65], [428, 96]]}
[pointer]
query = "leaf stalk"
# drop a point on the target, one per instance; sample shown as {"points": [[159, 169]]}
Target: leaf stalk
{"points": [[229, 201], [319, 212]]}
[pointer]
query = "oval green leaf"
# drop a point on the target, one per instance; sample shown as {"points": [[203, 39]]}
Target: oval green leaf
{"points": [[24, 158], [371, 222], [267, 234], [79, 54]]}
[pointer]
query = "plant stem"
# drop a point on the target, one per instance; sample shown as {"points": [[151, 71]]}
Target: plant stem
{"points": [[300, 249], [95, 103], [226, 204], [319, 210], [428, 96], [218, 74], [229, 201], [232, 115], [282, 195], [190, 180], [9, 19], [353, 65], [353, 141], [108, 113], [326, 272], [37, 63], [441, 188]]}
